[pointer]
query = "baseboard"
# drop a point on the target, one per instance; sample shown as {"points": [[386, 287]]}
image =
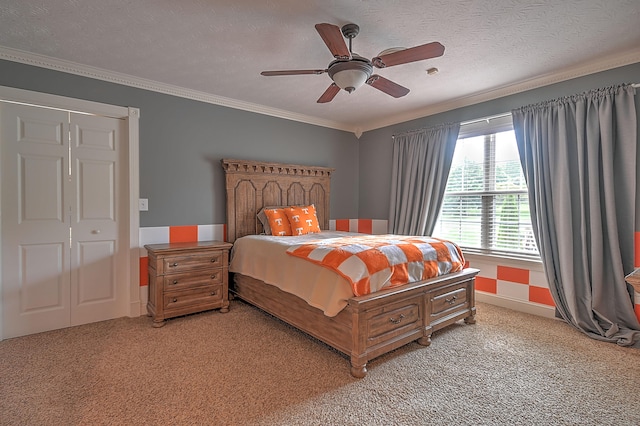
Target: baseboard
{"points": [[135, 309], [516, 305]]}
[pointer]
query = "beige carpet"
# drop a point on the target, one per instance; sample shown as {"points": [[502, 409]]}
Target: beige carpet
{"points": [[247, 368]]}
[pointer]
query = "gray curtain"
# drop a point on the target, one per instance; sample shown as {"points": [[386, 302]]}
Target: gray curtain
{"points": [[421, 164], [579, 159]]}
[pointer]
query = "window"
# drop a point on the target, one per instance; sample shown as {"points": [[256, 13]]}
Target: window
{"points": [[486, 205]]}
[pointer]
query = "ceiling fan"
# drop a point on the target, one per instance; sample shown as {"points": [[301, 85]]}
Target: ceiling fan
{"points": [[350, 70]]}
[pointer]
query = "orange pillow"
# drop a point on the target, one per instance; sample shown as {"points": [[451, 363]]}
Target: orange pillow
{"points": [[278, 222], [262, 217], [303, 219]]}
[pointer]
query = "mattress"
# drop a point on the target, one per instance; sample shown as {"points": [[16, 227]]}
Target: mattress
{"points": [[265, 258]]}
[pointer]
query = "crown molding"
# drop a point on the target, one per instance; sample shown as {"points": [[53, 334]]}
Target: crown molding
{"points": [[603, 64], [69, 67]]}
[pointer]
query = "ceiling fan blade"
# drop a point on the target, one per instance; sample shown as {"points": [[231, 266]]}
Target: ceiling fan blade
{"points": [[412, 54], [332, 37], [292, 72], [387, 86], [329, 94]]}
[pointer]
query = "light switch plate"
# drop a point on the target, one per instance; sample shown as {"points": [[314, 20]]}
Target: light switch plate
{"points": [[143, 204]]}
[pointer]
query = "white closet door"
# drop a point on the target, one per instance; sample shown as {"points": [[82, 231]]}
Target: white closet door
{"points": [[98, 285], [62, 221], [35, 219]]}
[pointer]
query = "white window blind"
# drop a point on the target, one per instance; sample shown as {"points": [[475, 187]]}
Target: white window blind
{"points": [[486, 206]]}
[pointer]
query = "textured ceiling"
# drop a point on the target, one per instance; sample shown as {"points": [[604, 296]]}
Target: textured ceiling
{"points": [[214, 50]]}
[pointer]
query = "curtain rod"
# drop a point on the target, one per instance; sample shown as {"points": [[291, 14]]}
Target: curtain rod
{"points": [[491, 117], [487, 119]]}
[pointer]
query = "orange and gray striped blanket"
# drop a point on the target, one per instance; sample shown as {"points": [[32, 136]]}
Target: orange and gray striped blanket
{"points": [[373, 262]]}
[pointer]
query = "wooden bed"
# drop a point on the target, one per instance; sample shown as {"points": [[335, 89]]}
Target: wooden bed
{"points": [[368, 326]]}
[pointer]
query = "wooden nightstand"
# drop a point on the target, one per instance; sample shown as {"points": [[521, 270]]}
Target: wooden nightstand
{"points": [[185, 278], [634, 279]]}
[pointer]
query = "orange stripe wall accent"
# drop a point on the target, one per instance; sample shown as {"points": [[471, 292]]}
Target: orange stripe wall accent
{"points": [[363, 226], [183, 234], [516, 275], [342, 225], [637, 265], [541, 295], [144, 275], [488, 285], [637, 249], [523, 282]]}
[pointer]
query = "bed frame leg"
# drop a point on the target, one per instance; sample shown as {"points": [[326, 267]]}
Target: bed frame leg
{"points": [[359, 371], [425, 340]]}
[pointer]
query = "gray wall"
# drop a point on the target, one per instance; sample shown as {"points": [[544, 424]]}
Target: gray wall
{"points": [[182, 142], [376, 147]]}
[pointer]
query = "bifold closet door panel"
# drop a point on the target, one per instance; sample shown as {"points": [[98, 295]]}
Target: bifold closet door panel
{"points": [[35, 219], [97, 283]]}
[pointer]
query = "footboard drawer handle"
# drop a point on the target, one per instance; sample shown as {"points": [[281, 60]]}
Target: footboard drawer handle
{"points": [[174, 300], [173, 265], [175, 282], [452, 300], [397, 321], [214, 259], [214, 276]]}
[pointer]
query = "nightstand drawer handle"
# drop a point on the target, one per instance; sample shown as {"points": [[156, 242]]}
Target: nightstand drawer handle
{"points": [[214, 260], [452, 300], [175, 282], [173, 265], [214, 276], [174, 300], [213, 293], [397, 321]]}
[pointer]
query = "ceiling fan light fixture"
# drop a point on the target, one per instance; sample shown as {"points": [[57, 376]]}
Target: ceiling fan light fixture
{"points": [[349, 75]]}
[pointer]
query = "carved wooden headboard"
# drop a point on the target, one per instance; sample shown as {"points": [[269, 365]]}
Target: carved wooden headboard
{"points": [[252, 185]]}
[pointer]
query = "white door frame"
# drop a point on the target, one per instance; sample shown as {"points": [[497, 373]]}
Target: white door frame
{"points": [[132, 116]]}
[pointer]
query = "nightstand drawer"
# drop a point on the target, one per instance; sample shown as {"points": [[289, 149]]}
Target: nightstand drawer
{"points": [[193, 279], [201, 296], [193, 262]]}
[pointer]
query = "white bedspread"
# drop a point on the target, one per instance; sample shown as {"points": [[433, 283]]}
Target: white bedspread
{"points": [[265, 258]]}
